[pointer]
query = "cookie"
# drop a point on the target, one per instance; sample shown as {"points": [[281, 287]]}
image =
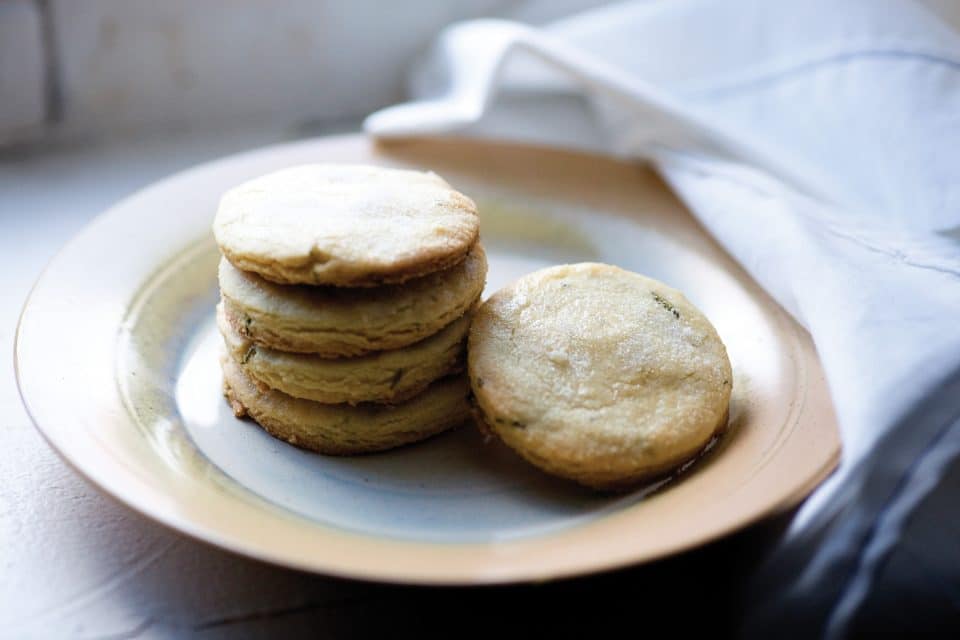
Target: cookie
{"points": [[342, 429], [333, 322], [384, 376], [345, 225], [598, 374]]}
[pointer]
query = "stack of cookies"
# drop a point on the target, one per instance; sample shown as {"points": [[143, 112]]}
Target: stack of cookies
{"points": [[346, 300]]}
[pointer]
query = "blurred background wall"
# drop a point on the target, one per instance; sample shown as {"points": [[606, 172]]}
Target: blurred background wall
{"points": [[87, 68], [82, 69]]}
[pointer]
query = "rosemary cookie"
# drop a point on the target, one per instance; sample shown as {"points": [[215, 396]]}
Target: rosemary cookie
{"points": [[384, 376], [334, 322], [345, 225], [598, 374], [342, 429]]}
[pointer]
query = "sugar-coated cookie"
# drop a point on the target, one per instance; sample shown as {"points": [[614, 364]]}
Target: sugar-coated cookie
{"points": [[334, 322], [598, 374], [384, 376], [342, 429], [345, 225]]}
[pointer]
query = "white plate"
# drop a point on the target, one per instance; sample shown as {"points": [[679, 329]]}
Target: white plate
{"points": [[116, 357]]}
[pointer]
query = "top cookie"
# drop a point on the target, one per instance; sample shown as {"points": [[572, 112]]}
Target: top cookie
{"points": [[345, 225], [598, 374]]}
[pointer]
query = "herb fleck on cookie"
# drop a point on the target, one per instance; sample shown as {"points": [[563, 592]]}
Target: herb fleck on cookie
{"points": [[663, 302]]}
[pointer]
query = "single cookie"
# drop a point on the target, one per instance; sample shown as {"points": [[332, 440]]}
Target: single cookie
{"points": [[333, 322], [384, 376], [339, 429], [598, 374], [345, 225]]}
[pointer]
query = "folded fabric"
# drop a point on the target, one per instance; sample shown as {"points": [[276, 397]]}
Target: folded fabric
{"points": [[819, 142]]}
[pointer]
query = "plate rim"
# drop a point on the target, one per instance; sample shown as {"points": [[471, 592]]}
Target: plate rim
{"points": [[173, 520]]}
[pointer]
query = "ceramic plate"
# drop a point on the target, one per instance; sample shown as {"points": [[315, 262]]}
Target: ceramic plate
{"points": [[117, 365]]}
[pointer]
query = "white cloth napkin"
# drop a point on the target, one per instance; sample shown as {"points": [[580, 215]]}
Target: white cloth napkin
{"points": [[820, 143]]}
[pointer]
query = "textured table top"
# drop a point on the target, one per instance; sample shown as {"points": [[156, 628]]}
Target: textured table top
{"points": [[77, 564]]}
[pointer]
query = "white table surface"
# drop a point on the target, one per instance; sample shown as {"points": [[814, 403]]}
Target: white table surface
{"points": [[77, 564]]}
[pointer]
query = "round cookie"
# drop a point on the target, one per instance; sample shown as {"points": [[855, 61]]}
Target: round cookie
{"points": [[340, 429], [334, 322], [345, 225], [598, 374], [384, 376]]}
